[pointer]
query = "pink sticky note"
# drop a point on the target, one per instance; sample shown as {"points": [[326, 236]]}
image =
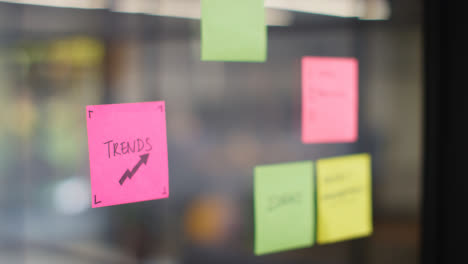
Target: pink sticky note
{"points": [[329, 100], [127, 153]]}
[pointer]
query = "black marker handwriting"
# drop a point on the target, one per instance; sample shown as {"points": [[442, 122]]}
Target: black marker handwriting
{"points": [[127, 147]]}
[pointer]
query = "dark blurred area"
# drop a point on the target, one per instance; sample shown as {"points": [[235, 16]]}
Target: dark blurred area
{"points": [[222, 120]]}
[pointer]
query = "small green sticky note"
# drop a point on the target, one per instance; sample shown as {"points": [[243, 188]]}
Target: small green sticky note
{"points": [[284, 206], [233, 30], [344, 202]]}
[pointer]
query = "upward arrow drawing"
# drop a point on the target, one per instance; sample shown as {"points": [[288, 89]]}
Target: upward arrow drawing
{"points": [[129, 174]]}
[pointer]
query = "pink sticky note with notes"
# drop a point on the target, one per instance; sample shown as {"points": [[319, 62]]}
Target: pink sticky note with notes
{"points": [[329, 100], [127, 153]]}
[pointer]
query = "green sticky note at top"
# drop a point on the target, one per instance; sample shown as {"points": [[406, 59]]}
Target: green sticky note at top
{"points": [[284, 207], [233, 30]]}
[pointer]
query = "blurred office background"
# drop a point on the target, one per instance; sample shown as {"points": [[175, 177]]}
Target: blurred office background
{"points": [[56, 57]]}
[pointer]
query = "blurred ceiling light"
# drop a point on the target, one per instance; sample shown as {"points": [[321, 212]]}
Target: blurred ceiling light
{"points": [[363, 9], [275, 17], [376, 10], [342, 8], [72, 196], [85, 4], [180, 8], [187, 9], [276, 13]]}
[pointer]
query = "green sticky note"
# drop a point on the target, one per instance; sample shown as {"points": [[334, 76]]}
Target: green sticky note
{"points": [[233, 30], [284, 206], [344, 202]]}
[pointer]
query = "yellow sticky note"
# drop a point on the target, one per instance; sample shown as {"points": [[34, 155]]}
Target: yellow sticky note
{"points": [[344, 202]]}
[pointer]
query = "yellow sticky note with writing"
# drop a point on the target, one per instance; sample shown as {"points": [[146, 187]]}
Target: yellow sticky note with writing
{"points": [[344, 198]]}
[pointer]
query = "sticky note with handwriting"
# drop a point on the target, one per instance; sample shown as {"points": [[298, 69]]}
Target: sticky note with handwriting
{"points": [[329, 100], [284, 206], [233, 30], [127, 152], [344, 202]]}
